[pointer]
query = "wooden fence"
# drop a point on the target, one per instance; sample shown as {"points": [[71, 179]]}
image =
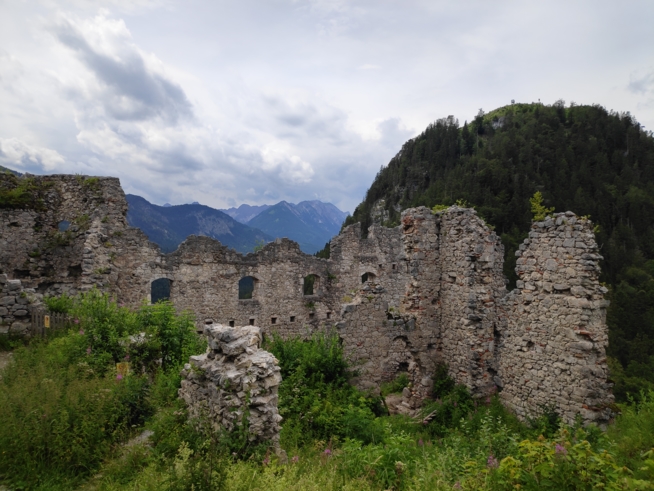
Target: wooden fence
{"points": [[44, 322]]}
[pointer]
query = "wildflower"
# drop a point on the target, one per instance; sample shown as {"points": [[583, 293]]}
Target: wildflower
{"points": [[488, 400], [421, 443], [492, 462], [328, 452], [266, 461], [88, 350], [457, 485], [76, 321], [295, 459], [560, 450], [81, 332], [119, 377], [126, 357], [454, 403]]}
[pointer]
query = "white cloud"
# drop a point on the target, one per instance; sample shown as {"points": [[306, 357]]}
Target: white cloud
{"points": [[18, 155]]}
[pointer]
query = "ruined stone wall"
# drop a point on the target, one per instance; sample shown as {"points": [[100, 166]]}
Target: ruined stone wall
{"points": [[233, 382], [472, 283], [553, 348], [53, 246], [16, 304], [401, 299]]}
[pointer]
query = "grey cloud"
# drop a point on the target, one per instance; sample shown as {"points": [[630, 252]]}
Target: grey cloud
{"points": [[642, 85], [134, 92], [302, 120]]}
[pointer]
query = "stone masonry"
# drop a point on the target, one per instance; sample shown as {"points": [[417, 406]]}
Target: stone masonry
{"points": [[233, 382], [402, 300]]}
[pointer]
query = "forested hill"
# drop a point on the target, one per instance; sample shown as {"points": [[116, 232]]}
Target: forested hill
{"points": [[582, 158]]}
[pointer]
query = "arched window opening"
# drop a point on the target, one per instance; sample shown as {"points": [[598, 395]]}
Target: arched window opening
{"points": [[246, 287], [311, 284], [368, 277], [160, 290]]}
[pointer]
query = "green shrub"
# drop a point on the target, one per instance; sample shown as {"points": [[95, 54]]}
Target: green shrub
{"points": [[316, 400], [396, 386], [62, 304]]}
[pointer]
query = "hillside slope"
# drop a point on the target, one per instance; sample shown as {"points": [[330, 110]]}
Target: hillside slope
{"points": [[582, 158], [310, 223], [169, 226]]}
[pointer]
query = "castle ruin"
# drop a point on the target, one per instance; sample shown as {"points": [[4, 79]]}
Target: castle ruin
{"points": [[404, 299]]}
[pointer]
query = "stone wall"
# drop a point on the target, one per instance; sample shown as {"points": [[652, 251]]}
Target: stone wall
{"points": [[235, 384], [553, 346], [16, 304], [402, 300]]}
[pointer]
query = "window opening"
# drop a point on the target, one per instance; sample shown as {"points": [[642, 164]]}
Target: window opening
{"points": [[251, 322], [329, 315], [231, 323], [160, 290], [311, 315], [246, 287], [367, 277], [273, 320], [394, 266], [311, 284], [292, 318]]}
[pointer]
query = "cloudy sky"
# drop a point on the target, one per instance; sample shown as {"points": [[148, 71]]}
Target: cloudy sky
{"points": [[255, 101]]}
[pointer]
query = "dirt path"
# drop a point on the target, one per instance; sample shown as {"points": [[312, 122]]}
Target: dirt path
{"points": [[5, 358]]}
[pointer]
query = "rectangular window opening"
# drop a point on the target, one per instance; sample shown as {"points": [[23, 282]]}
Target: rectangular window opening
{"points": [[394, 266], [231, 323], [273, 320], [292, 318], [329, 315], [251, 322], [311, 315]]}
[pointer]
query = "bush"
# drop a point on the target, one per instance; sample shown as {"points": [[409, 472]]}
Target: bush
{"points": [[396, 386], [316, 400]]}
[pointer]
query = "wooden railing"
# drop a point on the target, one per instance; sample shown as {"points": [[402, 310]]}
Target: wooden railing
{"points": [[44, 322]]}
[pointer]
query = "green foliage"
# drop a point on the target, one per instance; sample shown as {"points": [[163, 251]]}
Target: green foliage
{"points": [[260, 243], [324, 252], [61, 304], [21, 192], [316, 400], [538, 210], [395, 386], [436, 208], [62, 405]]}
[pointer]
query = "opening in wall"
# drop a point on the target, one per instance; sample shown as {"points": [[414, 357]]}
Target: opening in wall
{"points": [[273, 320], [246, 287], [160, 290], [292, 318], [311, 315], [251, 322], [394, 266], [329, 315], [368, 277], [311, 284], [231, 323]]}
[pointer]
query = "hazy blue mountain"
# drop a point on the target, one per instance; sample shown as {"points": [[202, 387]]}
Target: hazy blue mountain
{"points": [[245, 213], [310, 223], [169, 226]]}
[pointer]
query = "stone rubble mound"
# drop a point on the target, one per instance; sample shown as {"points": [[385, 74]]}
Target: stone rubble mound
{"points": [[234, 381]]}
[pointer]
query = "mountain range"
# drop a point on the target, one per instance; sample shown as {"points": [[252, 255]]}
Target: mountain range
{"points": [[170, 225], [310, 223]]}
